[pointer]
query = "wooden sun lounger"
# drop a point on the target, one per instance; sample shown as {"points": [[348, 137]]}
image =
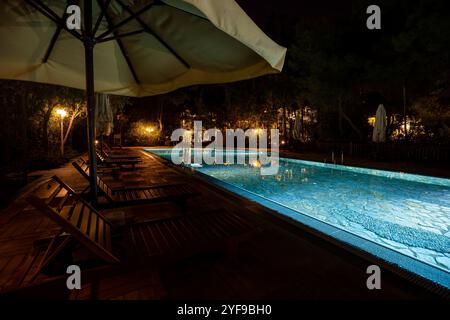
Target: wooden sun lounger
{"points": [[117, 162], [112, 149], [119, 151], [154, 242], [177, 193], [109, 155]]}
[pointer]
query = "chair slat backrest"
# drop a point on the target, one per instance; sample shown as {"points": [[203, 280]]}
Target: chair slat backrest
{"points": [[105, 154], [83, 168], [100, 157], [79, 219]]}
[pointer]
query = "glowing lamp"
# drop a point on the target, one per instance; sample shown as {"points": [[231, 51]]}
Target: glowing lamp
{"points": [[61, 112]]}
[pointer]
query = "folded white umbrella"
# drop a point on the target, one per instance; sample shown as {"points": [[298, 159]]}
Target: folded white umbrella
{"points": [[132, 47], [104, 117], [379, 130]]}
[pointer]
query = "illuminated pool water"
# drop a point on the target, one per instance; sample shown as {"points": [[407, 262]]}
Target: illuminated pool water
{"points": [[408, 214]]}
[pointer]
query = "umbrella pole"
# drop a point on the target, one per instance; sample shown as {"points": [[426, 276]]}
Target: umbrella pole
{"points": [[90, 97]]}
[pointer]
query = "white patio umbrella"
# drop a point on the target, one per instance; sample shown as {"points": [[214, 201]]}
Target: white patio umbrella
{"points": [[103, 115], [104, 118], [379, 130], [132, 47], [297, 130]]}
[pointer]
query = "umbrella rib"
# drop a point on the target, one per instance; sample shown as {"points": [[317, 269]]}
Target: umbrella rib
{"points": [[122, 35], [125, 21], [150, 31], [54, 38], [50, 14], [119, 42], [100, 17]]}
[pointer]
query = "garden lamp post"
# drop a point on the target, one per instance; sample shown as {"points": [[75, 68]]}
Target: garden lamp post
{"points": [[62, 114]]}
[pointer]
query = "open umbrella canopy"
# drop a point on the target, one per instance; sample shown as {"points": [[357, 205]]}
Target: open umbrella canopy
{"points": [[142, 47], [132, 47]]}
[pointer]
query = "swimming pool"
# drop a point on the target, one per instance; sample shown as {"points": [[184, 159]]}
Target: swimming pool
{"points": [[402, 218]]}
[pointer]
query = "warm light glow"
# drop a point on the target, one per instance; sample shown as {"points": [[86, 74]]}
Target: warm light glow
{"points": [[256, 164], [61, 112], [283, 142], [371, 121], [96, 142], [149, 129]]}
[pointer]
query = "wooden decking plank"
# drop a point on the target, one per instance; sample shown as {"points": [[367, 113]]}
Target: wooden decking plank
{"points": [[183, 229], [144, 240], [171, 232], [211, 227], [196, 232], [155, 240], [158, 229], [177, 230]]}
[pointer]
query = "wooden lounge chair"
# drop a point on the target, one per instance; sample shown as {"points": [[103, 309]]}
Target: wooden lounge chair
{"points": [[153, 242], [112, 149], [106, 152], [177, 193], [108, 155], [118, 151], [117, 162]]}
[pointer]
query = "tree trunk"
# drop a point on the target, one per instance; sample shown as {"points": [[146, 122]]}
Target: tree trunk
{"points": [[340, 116], [69, 128], [354, 127], [47, 116]]}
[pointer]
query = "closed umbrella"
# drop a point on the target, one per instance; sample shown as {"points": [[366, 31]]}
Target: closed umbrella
{"points": [[103, 115], [297, 132], [104, 118], [379, 129], [132, 47]]}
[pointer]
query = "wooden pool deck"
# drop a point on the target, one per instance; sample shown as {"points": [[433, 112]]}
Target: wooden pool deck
{"points": [[281, 262]]}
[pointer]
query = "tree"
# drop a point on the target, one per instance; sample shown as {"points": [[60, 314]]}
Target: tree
{"points": [[76, 110], [434, 115]]}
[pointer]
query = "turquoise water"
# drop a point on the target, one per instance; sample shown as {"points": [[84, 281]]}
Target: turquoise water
{"points": [[407, 213]]}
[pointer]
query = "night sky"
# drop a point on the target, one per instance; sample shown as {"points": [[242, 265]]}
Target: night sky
{"points": [[291, 11], [259, 10]]}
